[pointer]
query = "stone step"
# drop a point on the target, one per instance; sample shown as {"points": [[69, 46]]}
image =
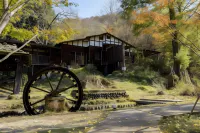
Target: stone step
{"points": [[106, 106]]}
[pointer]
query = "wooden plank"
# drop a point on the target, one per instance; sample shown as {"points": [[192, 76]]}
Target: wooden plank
{"points": [[162, 100], [141, 102]]}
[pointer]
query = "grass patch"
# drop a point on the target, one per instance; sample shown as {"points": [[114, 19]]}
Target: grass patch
{"points": [[181, 124], [140, 75], [93, 78], [183, 89]]}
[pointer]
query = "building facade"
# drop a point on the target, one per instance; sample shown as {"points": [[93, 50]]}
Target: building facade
{"points": [[107, 52]]}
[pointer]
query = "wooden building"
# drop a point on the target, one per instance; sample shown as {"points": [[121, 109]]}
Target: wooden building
{"points": [[30, 61], [105, 51]]}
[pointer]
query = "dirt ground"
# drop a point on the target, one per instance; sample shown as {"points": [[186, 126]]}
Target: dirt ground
{"points": [[48, 122]]}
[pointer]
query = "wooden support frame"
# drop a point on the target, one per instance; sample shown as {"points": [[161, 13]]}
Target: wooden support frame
{"points": [[123, 58], [198, 98]]}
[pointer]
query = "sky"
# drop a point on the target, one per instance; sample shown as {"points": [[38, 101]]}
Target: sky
{"points": [[86, 8]]}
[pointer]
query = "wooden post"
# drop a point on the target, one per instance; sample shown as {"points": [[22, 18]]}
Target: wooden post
{"points": [[75, 57], [18, 78], [123, 58], [89, 60]]}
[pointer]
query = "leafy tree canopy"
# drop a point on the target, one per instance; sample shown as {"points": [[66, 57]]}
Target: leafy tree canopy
{"points": [[33, 16]]}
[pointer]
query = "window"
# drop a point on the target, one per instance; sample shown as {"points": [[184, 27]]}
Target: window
{"points": [[100, 37], [108, 37]]}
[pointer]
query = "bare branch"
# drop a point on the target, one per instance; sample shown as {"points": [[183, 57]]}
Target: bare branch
{"points": [[5, 4], [189, 4], [3, 16], [186, 5], [10, 3], [53, 20], [16, 4], [195, 10], [17, 9]]}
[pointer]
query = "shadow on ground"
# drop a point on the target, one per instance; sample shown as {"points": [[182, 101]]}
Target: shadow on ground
{"points": [[11, 113]]}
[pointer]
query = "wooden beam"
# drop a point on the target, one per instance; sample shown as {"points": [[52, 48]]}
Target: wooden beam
{"points": [[89, 61], [94, 40], [123, 58]]}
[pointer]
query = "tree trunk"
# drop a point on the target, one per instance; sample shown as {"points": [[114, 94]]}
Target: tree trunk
{"points": [[5, 18], [4, 22], [5, 4], [175, 45]]}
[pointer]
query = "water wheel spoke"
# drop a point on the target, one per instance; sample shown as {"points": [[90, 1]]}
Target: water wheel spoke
{"points": [[38, 102], [65, 89], [71, 100], [40, 89], [60, 81], [49, 81]]}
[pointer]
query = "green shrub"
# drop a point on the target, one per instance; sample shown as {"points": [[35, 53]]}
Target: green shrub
{"points": [[184, 89], [74, 65], [183, 57], [121, 100], [140, 74], [187, 92], [91, 68], [180, 124]]}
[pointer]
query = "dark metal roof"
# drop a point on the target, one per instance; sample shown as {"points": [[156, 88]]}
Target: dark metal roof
{"points": [[129, 45], [19, 43], [86, 38]]}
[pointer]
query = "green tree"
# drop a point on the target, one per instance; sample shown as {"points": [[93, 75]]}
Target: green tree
{"points": [[36, 18], [10, 7], [164, 20]]}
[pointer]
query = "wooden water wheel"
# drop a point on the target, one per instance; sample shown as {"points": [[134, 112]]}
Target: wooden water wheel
{"points": [[52, 82]]}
